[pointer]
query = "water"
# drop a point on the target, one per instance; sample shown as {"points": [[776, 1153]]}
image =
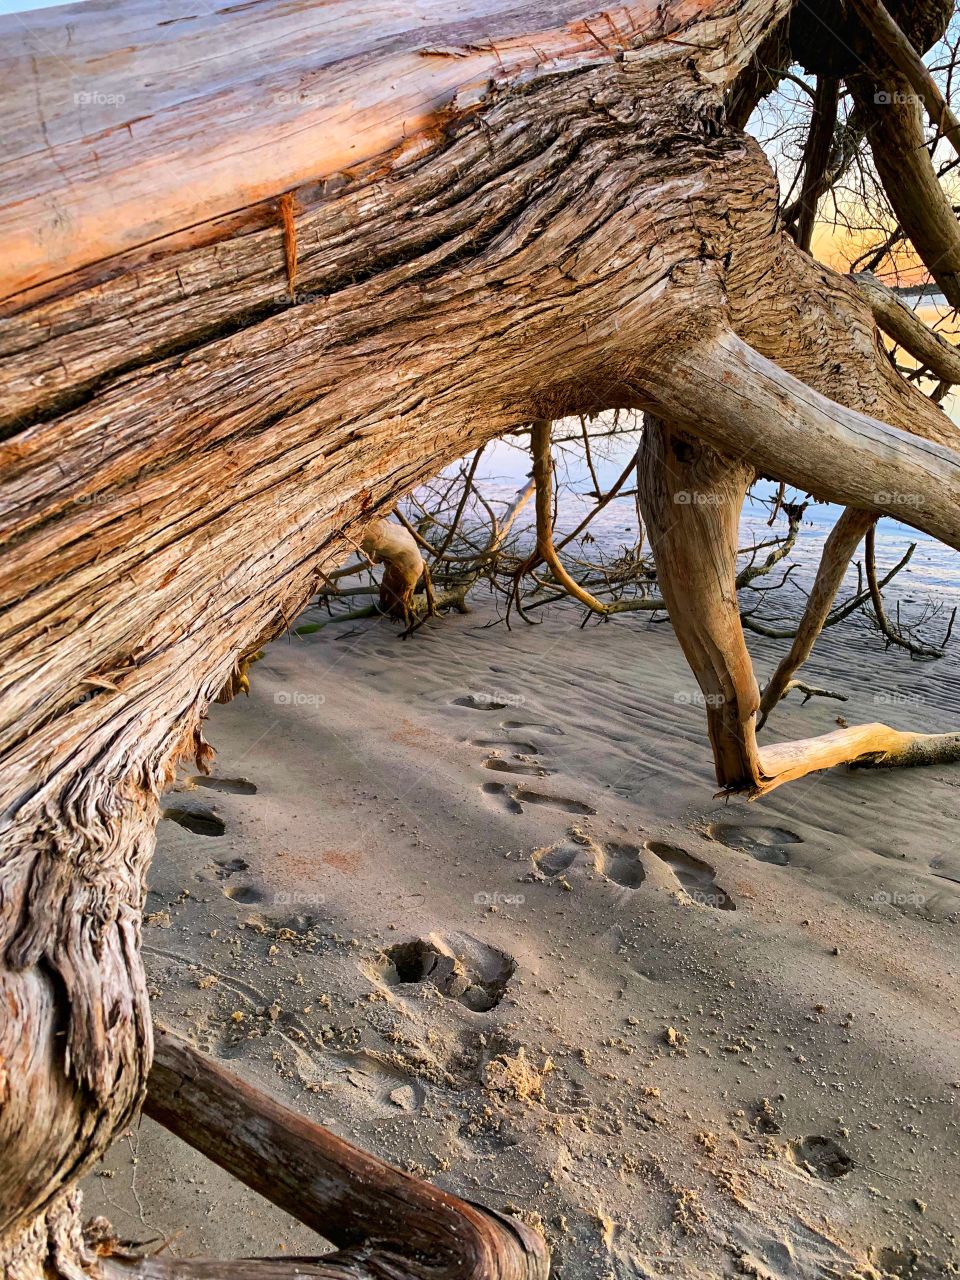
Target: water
{"points": [[931, 578]]}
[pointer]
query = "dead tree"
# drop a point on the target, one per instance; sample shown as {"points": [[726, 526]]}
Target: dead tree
{"points": [[267, 268]]}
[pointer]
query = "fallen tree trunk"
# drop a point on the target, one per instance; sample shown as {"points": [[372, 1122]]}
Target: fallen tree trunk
{"points": [[266, 271]]}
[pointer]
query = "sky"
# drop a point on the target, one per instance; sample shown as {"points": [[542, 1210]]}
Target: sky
{"points": [[22, 6]]}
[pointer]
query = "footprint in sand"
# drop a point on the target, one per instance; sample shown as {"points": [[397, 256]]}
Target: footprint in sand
{"points": [[243, 893], [617, 862], [621, 864], [202, 822], [483, 701], [823, 1157], [512, 764], [766, 844], [554, 859], [462, 968], [385, 1086], [516, 797], [696, 877], [234, 786]]}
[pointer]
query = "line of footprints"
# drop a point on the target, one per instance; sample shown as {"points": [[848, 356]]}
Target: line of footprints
{"points": [[620, 863], [623, 864]]}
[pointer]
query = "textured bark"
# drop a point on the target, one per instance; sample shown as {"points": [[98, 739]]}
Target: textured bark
{"points": [[230, 1269], [310, 260], [386, 1222]]}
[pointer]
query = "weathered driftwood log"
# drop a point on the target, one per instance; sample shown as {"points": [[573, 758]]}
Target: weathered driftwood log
{"points": [[264, 269], [384, 1222]]}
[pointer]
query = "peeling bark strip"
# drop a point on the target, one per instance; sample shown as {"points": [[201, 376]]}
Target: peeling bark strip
{"points": [[387, 1222], [523, 212]]}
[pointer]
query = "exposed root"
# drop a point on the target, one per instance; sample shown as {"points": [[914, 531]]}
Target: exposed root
{"points": [[52, 1247], [239, 681], [540, 437], [384, 1221], [393, 546], [837, 551], [893, 636], [865, 746]]}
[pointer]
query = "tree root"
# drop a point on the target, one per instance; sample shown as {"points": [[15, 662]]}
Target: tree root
{"points": [[384, 1222], [393, 546], [53, 1246], [692, 496], [837, 551], [864, 746]]}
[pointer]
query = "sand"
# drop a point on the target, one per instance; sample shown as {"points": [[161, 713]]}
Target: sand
{"points": [[685, 1037]]}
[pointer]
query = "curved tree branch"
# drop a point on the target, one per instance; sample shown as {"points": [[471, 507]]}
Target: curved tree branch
{"points": [[843, 540], [387, 1223], [895, 44], [901, 323], [743, 403]]}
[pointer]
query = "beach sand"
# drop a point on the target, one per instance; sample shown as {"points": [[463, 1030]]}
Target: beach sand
{"points": [[701, 1038]]}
